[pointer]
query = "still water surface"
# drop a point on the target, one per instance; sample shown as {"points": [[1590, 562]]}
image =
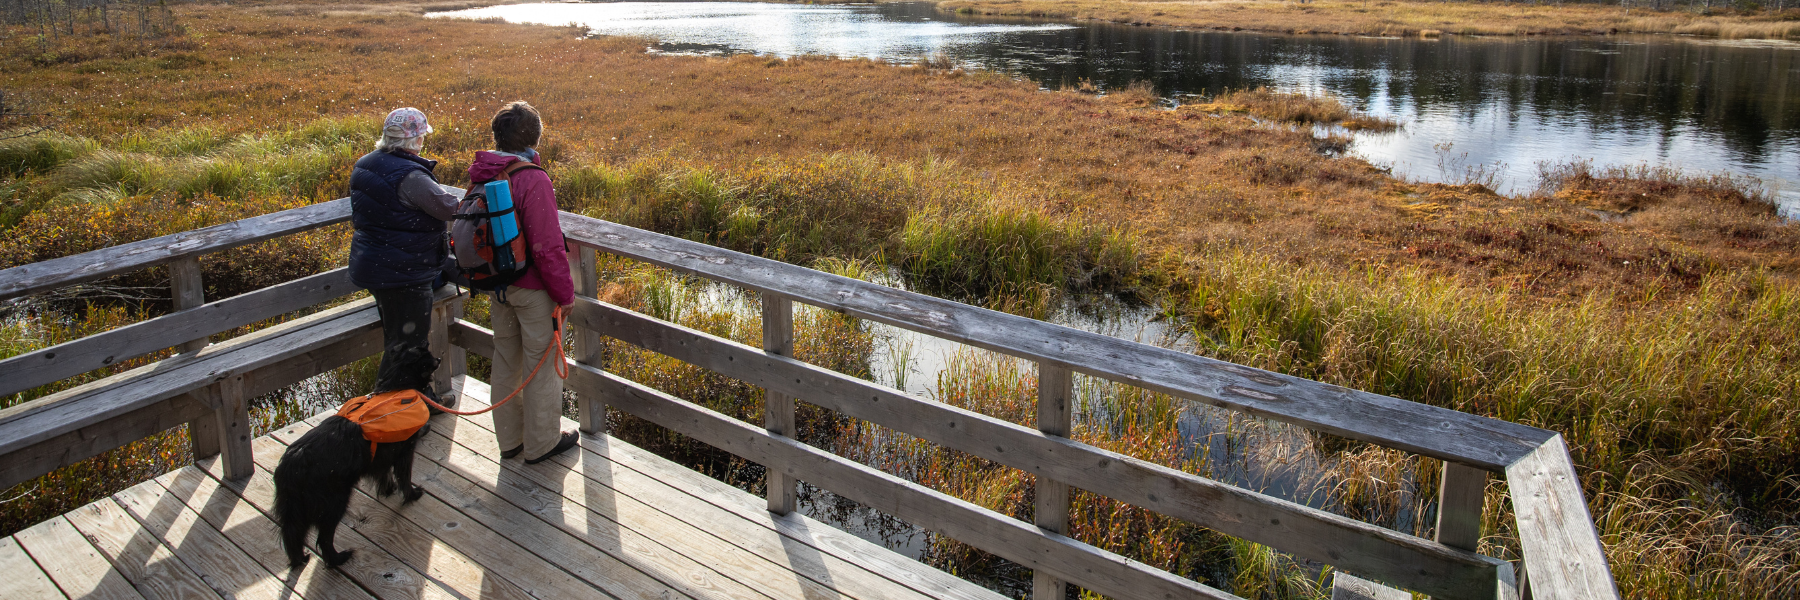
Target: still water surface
{"points": [[1467, 103]]}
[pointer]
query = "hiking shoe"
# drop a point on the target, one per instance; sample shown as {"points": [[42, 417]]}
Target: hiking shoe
{"points": [[569, 439], [447, 401], [505, 454]]}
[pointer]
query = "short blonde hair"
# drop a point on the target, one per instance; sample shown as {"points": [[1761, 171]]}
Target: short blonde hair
{"points": [[413, 144]]}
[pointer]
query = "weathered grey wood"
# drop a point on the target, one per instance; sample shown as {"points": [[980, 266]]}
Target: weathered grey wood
{"points": [[496, 554], [59, 429], [1085, 565], [374, 568], [148, 384], [220, 563], [23, 578], [592, 545], [1050, 508], [591, 411], [1563, 555], [89, 440], [73, 563], [438, 340], [778, 407], [1345, 586], [202, 430], [136, 554], [1462, 494], [444, 562], [231, 418], [1441, 433], [257, 536], [68, 359], [36, 277], [188, 292], [613, 479], [1349, 544]]}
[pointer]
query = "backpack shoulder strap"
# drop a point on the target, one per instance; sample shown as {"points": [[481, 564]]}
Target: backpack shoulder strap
{"points": [[517, 166]]}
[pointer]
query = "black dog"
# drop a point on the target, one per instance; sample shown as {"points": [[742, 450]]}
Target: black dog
{"points": [[317, 474]]}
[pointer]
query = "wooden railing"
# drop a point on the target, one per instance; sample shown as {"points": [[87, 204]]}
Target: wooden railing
{"points": [[1562, 552]]}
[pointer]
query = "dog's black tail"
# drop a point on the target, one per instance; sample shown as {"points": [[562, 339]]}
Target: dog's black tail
{"points": [[291, 510]]}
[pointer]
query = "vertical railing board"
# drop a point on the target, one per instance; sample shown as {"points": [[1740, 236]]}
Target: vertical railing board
{"points": [[591, 409], [1564, 558], [778, 407], [231, 418], [187, 291], [1050, 509]]}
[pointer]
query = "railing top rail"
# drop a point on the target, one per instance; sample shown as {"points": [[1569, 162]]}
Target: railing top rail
{"points": [[25, 280], [1482, 442]]}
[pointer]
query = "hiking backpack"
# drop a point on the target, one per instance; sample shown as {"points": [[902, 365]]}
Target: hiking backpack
{"points": [[483, 262], [387, 417]]}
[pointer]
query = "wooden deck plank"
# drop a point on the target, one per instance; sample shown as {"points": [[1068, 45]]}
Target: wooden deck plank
{"points": [[260, 538], [565, 497], [23, 579], [221, 564], [597, 550], [824, 554], [73, 563], [431, 520], [138, 555], [477, 476], [390, 534]]}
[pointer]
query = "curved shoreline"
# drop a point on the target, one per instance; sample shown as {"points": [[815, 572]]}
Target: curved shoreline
{"points": [[1389, 18]]}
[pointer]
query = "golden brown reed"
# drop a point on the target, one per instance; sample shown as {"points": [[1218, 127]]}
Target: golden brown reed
{"points": [[1398, 18]]}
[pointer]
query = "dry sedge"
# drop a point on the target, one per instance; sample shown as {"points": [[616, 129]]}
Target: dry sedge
{"points": [[1650, 316]]}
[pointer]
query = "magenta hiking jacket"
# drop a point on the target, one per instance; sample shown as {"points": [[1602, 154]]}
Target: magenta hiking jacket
{"points": [[535, 204]]}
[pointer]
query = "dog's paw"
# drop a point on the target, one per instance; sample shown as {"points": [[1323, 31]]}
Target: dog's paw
{"points": [[413, 493], [299, 562], [339, 559]]}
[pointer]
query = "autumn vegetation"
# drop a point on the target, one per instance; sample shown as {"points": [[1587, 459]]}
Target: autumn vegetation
{"points": [[1649, 315], [1755, 20]]}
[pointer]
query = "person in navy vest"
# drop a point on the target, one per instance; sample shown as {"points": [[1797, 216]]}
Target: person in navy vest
{"points": [[399, 248]]}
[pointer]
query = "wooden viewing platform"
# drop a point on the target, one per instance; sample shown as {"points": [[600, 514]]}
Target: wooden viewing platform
{"points": [[616, 519], [611, 521]]}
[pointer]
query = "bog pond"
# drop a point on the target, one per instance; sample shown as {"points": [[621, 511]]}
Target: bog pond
{"points": [[1481, 105]]}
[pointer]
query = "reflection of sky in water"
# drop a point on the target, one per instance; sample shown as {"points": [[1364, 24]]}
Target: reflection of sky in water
{"points": [[780, 29], [1465, 102]]}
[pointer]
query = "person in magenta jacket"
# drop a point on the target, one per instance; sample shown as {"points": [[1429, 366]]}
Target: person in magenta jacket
{"points": [[523, 318]]}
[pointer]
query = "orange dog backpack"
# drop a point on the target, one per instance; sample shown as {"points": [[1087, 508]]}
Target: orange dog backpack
{"points": [[387, 417]]}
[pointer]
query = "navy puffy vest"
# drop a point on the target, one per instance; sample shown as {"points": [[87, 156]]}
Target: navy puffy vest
{"points": [[394, 245]]}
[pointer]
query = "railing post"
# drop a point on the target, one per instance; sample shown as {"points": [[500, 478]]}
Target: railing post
{"points": [[778, 408], [453, 360], [188, 291], [1055, 416], [231, 419], [1462, 495], [587, 343]]}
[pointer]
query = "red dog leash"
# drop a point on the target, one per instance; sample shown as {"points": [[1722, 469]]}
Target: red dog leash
{"points": [[562, 368]]}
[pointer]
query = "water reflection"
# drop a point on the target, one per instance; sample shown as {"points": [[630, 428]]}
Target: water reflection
{"points": [[1499, 103]]}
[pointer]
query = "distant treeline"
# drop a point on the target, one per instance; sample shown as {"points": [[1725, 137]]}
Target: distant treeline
{"points": [[121, 18]]}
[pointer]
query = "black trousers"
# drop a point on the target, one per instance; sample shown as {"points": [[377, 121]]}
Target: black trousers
{"points": [[406, 360]]}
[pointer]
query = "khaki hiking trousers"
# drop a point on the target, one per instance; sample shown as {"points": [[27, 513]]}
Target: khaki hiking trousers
{"points": [[523, 331]]}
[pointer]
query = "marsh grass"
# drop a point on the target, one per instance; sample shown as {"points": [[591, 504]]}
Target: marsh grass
{"points": [[1659, 339], [1402, 17]]}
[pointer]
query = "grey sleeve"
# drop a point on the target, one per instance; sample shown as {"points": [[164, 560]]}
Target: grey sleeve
{"points": [[437, 200]]}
